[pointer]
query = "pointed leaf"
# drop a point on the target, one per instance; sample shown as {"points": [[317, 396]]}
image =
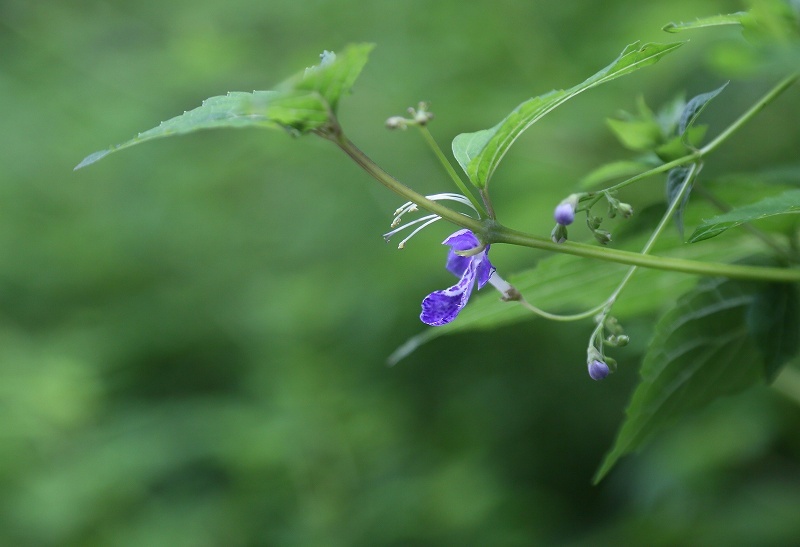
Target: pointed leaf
{"points": [[230, 110], [302, 103], [334, 76], [787, 203], [713, 21], [695, 106], [702, 350], [480, 153]]}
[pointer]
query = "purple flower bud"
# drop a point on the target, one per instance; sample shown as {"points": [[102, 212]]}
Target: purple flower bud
{"points": [[564, 213], [598, 370]]}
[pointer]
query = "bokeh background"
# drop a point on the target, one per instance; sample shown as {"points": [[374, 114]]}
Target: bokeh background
{"points": [[193, 332]]}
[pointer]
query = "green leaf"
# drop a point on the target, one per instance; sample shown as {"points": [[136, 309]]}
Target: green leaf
{"points": [[334, 76], [783, 204], [480, 153], [774, 322], [705, 22], [638, 135], [611, 171], [568, 284], [702, 349], [224, 111], [301, 104], [695, 107]]}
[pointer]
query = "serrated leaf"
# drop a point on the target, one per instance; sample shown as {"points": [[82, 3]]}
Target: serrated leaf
{"points": [[701, 350], [695, 107], [301, 104], [787, 203], [224, 111], [705, 22], [773, 320], [675, 180], [567, 284], [480, 153], [334, 76]]}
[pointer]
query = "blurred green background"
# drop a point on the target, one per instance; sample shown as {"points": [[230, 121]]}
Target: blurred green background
{"points": [[193, 332]]}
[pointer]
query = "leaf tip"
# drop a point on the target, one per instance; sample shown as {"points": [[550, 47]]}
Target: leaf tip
{"points": [[92, 158]]}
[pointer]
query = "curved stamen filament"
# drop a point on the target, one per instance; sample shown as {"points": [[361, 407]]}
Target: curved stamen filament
{"points": [[412, 234], [426, 218]]}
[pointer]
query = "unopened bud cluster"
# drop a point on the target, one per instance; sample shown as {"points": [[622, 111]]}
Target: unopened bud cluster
{"points": [[420, 116], [607, 333]]}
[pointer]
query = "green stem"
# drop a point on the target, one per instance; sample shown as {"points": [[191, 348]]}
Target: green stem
{"points": [[694, 157], [782, 86], [492, 232], [402, 190], [501, 234], [426, 134]]}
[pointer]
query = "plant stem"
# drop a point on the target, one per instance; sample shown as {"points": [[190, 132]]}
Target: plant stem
{"points": [[782, 86], [426, 134], [694, 157], [402, 190], [501, 234], [489, 231]]}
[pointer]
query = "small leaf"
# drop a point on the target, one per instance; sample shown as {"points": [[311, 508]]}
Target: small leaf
{"points": [[701, 350], [784, 204], [480, 153], [334, 76], [675, 180], [705, 22], [774, 322], [639, 135], [695, 106]]}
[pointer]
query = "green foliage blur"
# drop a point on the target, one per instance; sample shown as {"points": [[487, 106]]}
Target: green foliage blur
{"points": [[193, 332]]}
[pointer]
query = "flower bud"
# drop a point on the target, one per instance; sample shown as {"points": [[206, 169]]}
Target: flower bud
{"points": [[396, 122], [602, 236], [564, 213], [597, 370], [559, 234], [625, 210]]}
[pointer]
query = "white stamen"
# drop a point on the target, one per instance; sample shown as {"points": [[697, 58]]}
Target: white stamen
{"points": [[388, 235], [411, 207], [412, 234]]}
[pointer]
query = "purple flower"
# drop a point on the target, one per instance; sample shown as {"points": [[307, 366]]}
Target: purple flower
{"points": [[564, 213], [598, 369], [441, 307]]}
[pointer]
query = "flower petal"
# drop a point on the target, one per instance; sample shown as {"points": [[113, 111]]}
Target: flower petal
{"points": [[461, 240], [483, 268], [441, 307]]}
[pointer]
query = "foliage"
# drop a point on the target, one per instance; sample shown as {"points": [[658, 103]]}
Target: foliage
{"points": [[192, 334]]}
